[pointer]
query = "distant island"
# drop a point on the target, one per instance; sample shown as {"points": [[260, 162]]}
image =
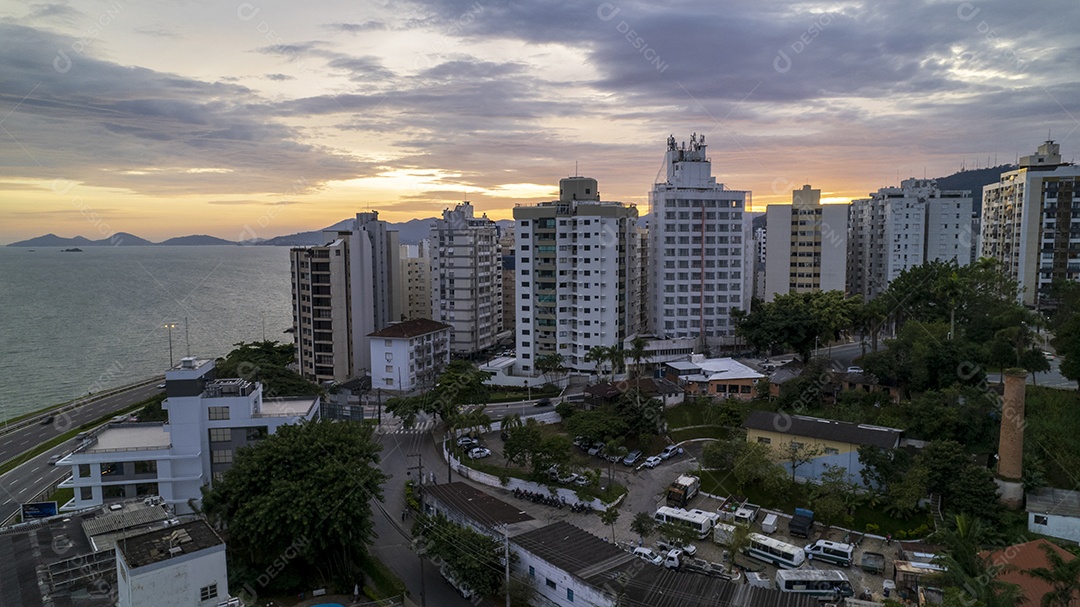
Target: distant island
{"points": [[120, 239], [75, 250]]}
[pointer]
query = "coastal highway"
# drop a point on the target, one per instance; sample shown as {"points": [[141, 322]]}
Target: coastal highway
{"points": [[23, 483], [18, 440]]}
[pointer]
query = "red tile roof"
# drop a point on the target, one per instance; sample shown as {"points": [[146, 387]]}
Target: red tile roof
{"points": [[410, 328], [1025, 557]]}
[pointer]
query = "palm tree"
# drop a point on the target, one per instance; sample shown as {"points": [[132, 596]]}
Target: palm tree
{"points": [[1063, 576], [598, 355], [617, 357], [972, 573], [637, 353], [551, 366]]}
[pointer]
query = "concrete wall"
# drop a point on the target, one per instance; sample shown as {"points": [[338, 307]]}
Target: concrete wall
{"points": [[1063, 527], [543, 572], [174, 582]]}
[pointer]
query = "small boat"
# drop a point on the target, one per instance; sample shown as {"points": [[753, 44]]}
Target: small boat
{"points": [[75, 250]]}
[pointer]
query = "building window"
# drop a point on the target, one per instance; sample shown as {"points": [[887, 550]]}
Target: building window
{"points": [[221, 456], [831, 451], [86, 493], [1038, 519], [532, 571], [84, 470], [764, 440], [218, 413], [389, 368], [208, 592], [388, 343], [148, 466], [112, 469], [570, 595], [220, 435], [550, 583]]}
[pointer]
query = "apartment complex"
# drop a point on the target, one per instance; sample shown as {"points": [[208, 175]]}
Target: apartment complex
{"points": [[415, 285], [509, 277], [410, 355], [578, 280], [898, 228], [209, 419], [699, 242], [1031, 223], [341, 292], [807, 245], [466, 274]]}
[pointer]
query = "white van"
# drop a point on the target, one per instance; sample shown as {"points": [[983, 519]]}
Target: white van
{"points": [[831, 552], [647, 554]]}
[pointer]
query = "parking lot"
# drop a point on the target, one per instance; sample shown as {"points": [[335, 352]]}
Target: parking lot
{"points": [[646, 492]]}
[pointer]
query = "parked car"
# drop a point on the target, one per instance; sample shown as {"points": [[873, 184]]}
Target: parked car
{"points": [[582, 481], [854, 370], [669, 451], [648, 554], [669, 545], [632, 458], [596, 448], [479, 452], [467, 442], [566, 477], [653, 461]]}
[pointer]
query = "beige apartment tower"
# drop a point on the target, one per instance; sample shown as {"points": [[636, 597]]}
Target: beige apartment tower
{"points": [[807, 245]]}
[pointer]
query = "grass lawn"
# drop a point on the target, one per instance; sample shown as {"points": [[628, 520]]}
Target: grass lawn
{"points": [[689, 413], [717, 432], [62, 496], [722, 484]]}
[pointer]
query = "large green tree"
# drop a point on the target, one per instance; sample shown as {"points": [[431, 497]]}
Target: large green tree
{"points": [[798, 321], [266, 361], [306, 489], [461, 383]]}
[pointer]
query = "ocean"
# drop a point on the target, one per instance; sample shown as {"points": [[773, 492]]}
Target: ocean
{"points": [[72, 323]]}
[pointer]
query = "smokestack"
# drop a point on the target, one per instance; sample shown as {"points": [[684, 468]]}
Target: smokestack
{"points": [[1011, 440]]}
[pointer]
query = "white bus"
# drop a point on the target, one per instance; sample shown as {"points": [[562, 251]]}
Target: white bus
{"points": [[699, 521], [764, 548], [770, 550], [825, 584]]}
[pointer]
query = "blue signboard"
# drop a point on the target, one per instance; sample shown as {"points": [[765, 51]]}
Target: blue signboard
{"points": [[38, 510]]}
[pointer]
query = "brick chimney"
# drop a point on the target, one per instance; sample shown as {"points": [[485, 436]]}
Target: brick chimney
{"points": [[1011, 440]]}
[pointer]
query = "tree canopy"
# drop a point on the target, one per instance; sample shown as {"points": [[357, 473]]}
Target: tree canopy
{"points": [[265, 361], [307, 488], [461, 383], [798, 321]]}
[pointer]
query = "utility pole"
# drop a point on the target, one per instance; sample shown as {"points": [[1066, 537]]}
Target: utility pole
{"points": [[506, 557], [420, 465]]}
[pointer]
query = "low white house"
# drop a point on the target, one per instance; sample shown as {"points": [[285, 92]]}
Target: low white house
{"points": [[409, 355], [1054, 512], [209, 419]]}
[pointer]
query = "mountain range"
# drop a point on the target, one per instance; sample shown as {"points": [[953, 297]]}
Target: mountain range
{"points": [[415, 230]]}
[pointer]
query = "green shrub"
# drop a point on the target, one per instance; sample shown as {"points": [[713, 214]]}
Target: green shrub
{"points": [[872, 528]]}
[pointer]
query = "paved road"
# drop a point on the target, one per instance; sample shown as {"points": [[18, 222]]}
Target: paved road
{"points": [[28, 479], [23, 439], [392, 546]]}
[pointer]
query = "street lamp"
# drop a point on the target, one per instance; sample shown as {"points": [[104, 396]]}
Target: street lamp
{"points": [[170, 326]]}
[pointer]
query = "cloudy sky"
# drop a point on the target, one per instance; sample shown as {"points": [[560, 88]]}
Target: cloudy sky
{"points": [[261, 118]]}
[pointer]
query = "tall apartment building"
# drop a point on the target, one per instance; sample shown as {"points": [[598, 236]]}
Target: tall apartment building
{"points": [[898, 228], [759, 262], [1031, 223], [699, 242], [343, 291], [577, 276], [807, 245], [415, 283], [509, 279], [466, 274]]}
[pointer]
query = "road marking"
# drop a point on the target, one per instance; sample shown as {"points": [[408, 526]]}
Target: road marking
{"points": [[39, 479]]}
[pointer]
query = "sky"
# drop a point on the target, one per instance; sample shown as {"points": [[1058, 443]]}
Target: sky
{"points": [[252, 119]]}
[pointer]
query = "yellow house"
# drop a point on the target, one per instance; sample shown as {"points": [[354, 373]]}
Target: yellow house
{"points": [[836, 443]]}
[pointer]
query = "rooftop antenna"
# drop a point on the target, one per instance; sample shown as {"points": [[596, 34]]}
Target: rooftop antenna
{"points": [[187, 338], [576, 174]]}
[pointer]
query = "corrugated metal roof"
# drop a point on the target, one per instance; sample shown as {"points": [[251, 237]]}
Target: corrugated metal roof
{"points": [[1058, 502], [824, 429]]}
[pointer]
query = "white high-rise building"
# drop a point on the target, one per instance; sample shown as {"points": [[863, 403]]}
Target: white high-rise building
{"points": [[466, 274], [700, 257], [342, 292], [898, 228], [578, 278], [1031, 224], [807, 245]]}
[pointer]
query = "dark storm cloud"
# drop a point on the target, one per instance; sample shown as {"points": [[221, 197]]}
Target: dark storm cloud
{"points": [[103, 124]]}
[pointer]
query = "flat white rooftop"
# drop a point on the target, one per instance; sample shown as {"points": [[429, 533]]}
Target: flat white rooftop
{"points": [[286, 407], [131, 437]]}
